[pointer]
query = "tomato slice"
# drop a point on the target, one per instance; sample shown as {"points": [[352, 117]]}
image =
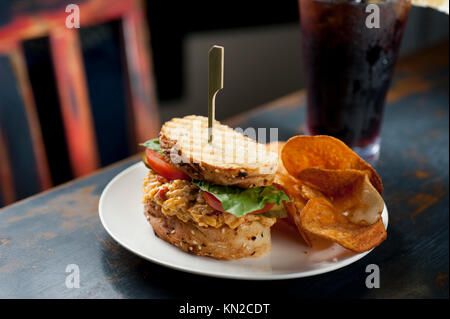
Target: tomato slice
{"points": [[217, 205], [267, 206], [212, 201], [278, 186], [163, 168], [281, 188]]}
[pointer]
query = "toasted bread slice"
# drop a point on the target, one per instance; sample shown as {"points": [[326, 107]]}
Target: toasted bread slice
{"points": [[250, 239], [230, 159]]}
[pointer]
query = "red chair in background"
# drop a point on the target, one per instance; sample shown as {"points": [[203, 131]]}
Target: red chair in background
{"points": [[24, 167]]}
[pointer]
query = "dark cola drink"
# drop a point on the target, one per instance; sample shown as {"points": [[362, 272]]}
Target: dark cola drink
{"points": [[349, 66]]}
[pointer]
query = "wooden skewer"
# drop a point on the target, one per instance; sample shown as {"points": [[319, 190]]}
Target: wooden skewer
{"points": [[215, 84]]}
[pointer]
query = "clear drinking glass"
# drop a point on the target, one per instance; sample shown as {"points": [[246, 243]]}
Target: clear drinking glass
{"points": [[348, 67]]}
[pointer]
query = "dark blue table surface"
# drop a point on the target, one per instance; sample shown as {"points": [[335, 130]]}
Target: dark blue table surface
{"points": [[41, 235]]}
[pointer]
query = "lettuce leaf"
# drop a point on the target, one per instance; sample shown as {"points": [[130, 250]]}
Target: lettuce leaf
{"points": [[239, 201], [277, 211], [153, 144]]}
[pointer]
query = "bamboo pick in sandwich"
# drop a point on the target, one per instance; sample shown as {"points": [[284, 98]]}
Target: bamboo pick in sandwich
{"points": [[215, 83]]}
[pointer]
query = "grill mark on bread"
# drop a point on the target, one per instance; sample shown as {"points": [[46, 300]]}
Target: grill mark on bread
{"points": [[242, 174]]}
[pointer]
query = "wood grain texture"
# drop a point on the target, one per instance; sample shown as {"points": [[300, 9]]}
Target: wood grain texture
{"points": [[27, 105], [7, 189], [140, 78], [39, 18], [74, 100], [26, 20], [23, 162], [41, 235], [20, 69]]}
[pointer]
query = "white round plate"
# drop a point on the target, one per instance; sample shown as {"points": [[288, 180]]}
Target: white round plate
{"points": [[121, 213]]}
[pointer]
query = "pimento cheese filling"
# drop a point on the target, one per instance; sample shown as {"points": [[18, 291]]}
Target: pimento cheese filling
{"points": [[184, 200]]}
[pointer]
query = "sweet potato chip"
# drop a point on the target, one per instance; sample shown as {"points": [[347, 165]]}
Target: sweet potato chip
{"points": [[292, 187], [349, 191], [310, 193], [294, 208], [320, 218], [301, 152], [336, 195]]}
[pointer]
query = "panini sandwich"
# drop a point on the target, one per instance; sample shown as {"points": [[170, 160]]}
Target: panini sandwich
{"points": [[212, 199]]}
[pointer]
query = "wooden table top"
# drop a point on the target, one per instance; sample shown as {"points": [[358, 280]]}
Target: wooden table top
{"points": [[41, 235]]}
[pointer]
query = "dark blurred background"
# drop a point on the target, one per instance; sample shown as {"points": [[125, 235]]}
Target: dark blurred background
{"points": [[262, 62], [262, 43]]}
